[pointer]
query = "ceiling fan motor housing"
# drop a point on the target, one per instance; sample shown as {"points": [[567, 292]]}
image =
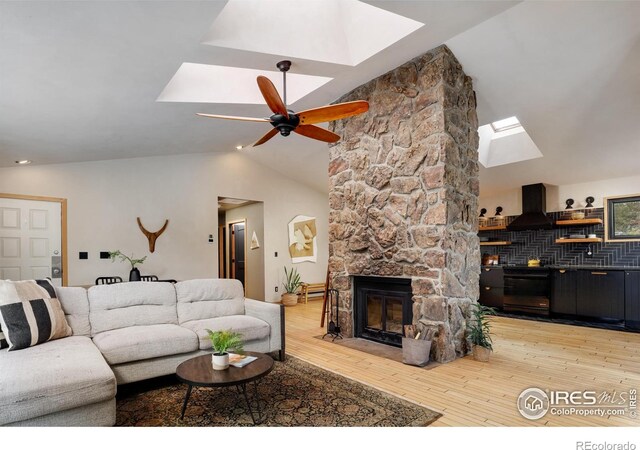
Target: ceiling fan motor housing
{"points": [[283, 125]]}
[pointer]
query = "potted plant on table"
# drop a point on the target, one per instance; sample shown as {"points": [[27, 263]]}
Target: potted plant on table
{"points": [[291, 285], [480, 332], [134, 274], [222, 342]]}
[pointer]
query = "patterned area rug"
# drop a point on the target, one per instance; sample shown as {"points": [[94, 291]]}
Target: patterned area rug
{"points": [[295, 393]]}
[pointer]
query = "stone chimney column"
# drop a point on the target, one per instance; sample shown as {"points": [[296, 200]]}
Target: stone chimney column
{"points": [[404, 195]]}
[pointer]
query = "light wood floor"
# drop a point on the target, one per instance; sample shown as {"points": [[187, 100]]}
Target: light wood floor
{"points": [[470, 393]]}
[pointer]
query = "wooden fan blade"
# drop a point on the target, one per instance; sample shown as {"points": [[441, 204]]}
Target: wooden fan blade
{"points": [[333, 112], [266, 137], [271, 96], [246, 119], [318, 133]]}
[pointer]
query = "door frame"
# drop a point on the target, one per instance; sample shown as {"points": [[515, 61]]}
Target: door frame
{"points": [[228, 262], [222, 251], [63, 225]]}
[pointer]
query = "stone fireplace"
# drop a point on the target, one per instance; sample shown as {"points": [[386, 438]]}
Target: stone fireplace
{"points": [[403, 201]]}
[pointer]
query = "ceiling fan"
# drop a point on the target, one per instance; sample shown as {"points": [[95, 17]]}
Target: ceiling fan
{"points": [[284, 120]]}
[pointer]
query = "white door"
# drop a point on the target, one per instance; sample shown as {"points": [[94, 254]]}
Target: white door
{"points": [[30, 240]]}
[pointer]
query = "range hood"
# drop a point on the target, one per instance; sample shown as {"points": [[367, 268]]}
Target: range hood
{"points": [[534, 206]]}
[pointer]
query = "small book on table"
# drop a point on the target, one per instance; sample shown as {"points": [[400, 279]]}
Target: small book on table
{"points": [[236, 360]]}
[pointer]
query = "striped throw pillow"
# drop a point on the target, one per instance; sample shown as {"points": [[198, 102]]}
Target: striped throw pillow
{"points": [[30, 313], [3, 341]]}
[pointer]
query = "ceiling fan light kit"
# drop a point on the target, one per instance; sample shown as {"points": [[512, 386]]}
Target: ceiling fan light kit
{"points": [[284, 120]]}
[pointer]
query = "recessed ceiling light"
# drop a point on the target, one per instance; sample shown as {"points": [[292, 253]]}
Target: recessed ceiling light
{"points": [[239, 147], [505, 124], [23, 161]]}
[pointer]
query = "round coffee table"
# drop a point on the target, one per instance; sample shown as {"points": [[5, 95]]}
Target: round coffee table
{"points": [[199, 371]]}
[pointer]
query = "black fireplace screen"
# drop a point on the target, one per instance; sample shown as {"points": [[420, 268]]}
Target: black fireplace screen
{"points": [[382, 306]]}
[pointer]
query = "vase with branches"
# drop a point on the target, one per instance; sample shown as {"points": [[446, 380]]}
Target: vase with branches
{"points": [[134, 274]]}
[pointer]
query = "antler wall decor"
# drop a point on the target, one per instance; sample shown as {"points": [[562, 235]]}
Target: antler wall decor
{"points": [[152, 236]]}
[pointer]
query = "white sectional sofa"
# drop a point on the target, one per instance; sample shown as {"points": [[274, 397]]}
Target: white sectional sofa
{"points": [[123, 333]]}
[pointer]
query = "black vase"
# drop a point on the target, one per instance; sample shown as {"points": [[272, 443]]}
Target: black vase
{"points": [[134, 275]]}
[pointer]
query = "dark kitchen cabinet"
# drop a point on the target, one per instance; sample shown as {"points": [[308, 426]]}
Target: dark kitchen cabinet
{"points": [[492, 287], [632, 300], [491, 296], [601, 294], [492, 276], [564, 286]]}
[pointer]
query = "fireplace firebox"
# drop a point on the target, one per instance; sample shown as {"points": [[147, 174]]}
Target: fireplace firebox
{"points": [[382, 307]]}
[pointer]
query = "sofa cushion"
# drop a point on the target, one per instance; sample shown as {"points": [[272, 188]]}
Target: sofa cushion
{"points": [[145, 342], [250, 328], [206, 299], [75, 304], [55, 376], [122, 305]]}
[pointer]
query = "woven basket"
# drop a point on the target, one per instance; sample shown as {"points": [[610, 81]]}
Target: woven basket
{"points": [[289, 299]]}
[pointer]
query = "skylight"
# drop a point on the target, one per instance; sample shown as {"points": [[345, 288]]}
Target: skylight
{"points": [[505, 124], [505, 142], [335, 31], [201, 83]]}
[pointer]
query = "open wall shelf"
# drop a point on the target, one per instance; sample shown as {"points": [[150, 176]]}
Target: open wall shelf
{"points": [[574, 241], [575, 223], [493, 228], [483, 244]]}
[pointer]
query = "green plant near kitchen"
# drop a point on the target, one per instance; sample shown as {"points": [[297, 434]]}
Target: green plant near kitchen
{"points": [[225, 340], [479, 328], [123, 258]]}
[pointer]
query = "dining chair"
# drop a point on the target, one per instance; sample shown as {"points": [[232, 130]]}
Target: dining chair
{"points": [[148, 278], [108, 280]]}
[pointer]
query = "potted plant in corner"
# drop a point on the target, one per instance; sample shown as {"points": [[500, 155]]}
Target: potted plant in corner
{"points": [[134, 274], [222, 342], [291, 285], [480, 332]]}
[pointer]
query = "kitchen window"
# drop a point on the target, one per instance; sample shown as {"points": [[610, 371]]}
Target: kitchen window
{"points": [[622, 218]]}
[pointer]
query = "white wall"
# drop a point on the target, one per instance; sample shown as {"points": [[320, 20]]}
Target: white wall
{"points": [[105, 197], [511, 200]]}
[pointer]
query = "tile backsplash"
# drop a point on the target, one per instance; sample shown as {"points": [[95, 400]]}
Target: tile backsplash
{"points": [[541, 243]]}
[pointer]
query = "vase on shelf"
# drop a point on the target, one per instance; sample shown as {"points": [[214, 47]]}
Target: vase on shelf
{"points": [[134, 275]]}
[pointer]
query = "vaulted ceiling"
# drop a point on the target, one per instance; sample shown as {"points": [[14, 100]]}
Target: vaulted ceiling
{"points": [[79, 82]]}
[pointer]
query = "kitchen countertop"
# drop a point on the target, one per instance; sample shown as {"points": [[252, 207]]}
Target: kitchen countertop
{"points": [[562, 266], [592, 267]]}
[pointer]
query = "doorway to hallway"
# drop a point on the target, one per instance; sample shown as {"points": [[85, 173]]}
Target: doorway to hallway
{"points": [[240, 244]]}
